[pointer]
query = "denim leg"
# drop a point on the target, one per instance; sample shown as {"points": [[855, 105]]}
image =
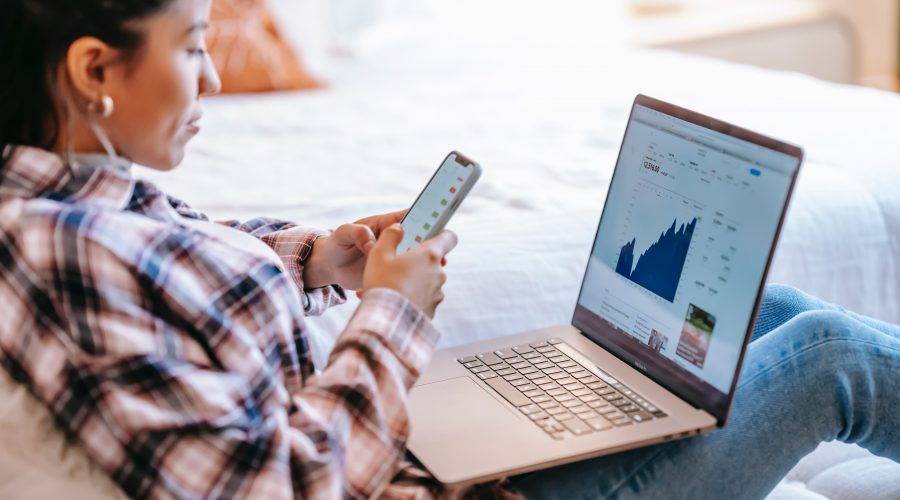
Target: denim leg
{"points": [[821, 376], [781, 303]]}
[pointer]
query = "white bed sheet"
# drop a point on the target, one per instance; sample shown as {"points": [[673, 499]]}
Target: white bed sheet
{"points": [[546, 125]]}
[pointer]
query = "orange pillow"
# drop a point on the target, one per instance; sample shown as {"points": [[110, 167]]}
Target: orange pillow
{"points": [[248, 51]]}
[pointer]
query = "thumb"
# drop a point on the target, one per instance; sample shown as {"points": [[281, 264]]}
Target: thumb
{"points": [[389, 240]]}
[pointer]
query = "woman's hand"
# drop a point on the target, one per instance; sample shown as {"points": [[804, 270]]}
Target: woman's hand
{"points": [[416, 274], [340, 257]]}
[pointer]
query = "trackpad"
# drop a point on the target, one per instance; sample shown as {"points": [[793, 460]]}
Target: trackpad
{"points": [[458, 411]]}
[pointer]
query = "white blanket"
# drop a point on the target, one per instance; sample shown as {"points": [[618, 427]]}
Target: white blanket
{"points": [[546, 126]]}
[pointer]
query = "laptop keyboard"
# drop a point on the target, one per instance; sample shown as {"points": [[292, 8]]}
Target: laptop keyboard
{"points": [[556, 392]]}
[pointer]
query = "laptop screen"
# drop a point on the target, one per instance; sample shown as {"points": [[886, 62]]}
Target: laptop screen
{"points": [[682, 248]]}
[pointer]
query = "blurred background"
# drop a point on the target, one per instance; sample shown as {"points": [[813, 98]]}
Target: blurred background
{"points": [[844, 41]]}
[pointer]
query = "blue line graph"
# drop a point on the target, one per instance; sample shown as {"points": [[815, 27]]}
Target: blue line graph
{"points": [[659, 268]]}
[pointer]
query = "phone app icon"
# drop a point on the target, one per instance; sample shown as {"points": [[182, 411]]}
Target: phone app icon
{"points": [[460, 179], [452, 190], [434, 215], [444, 202], [418, 239], [427, 226]]}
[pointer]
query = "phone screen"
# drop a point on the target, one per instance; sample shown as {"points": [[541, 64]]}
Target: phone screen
{"points": [[442, 193]]}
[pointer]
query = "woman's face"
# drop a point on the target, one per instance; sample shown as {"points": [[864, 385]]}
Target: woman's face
{"points": [[156, 93]]}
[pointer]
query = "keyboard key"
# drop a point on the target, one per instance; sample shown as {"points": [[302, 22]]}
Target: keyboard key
{"points": [[591, 380], [519, 381], [545, 350], [599, 403], [487, 375], [567, 364], [527, 370], [548, 404], [595, 385], [569, 403], [564, 397], [612, 396], [473, 364], [587, 398], [544, 365], [508, 391], [543, 398], [489, 358], [506, 353], [543, 380], [508, 371], [556, 392], [538, 344], [514, 376], [534, 375], [522, 349], [607, 411], [659, 414], [559, 375], [519, 366], [479, 369], [467, 359], [580, 409], [500, 366], [567, 380], [548, 386], [529, 409], [577, 427], [531, 354], [517, 359], [554, 341], [551, 370], [573, 368], [619, 422], [629, 408], [562, 417], [640, 416], [533, 393], [555, 410], [558, 359], [580, 375], [605, 391], [582, 392], [598, 424], [538, 416], [621, 403], [527, 387]]}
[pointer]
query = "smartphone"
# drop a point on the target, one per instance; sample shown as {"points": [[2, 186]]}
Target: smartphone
{"points": [[431, 211]]}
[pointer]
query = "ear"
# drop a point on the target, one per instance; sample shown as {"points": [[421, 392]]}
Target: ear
{"points": [[87, 62]]}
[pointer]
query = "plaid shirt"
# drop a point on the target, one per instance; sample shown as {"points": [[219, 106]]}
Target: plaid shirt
{"points": [[180, 363]]}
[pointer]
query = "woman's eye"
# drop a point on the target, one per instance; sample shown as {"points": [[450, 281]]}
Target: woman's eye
{"points": [[199, 51]]}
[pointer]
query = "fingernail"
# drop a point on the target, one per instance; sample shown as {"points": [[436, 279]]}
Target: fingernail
{"points": [[368, 246]]}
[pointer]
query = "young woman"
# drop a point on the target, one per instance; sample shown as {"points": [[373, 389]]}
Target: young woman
{"points": [[173, 349]]}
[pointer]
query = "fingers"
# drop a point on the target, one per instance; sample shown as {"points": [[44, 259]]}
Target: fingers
{"points": [[358, 235], [442, 243], [388, 241]]}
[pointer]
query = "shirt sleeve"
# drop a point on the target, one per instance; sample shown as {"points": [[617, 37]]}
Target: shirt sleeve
{"points": [[291, 242], [165, 372]]}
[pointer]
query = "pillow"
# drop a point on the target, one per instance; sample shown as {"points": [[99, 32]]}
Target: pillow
{"points": [[249, 52]]}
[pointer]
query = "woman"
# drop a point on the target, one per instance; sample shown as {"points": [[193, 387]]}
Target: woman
{"points": [[174, 350]]}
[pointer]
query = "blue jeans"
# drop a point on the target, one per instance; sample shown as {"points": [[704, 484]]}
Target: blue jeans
{"points": [[814, 372]]}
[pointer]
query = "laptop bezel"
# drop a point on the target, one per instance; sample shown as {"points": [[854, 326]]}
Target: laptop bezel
{"points": [[722, 411]]}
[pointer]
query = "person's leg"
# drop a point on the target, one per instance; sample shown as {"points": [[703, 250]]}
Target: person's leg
{"points": [[821, 376], [782, 303]]}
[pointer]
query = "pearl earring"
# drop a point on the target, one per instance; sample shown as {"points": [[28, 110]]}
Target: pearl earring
{"points": [[104, 107]]}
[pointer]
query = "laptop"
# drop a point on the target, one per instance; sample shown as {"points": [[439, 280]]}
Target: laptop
{"points": [[661, 325]]}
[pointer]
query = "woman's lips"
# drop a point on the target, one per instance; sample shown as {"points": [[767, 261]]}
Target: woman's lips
{"points": [[193, 125]]}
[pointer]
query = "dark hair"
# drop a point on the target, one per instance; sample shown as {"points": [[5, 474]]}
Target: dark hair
{"points": [[35, 36]]}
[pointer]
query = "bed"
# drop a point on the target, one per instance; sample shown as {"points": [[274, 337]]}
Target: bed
{"points": [[545, 120]]}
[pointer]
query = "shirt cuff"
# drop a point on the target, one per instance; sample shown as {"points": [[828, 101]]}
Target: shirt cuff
{"points": [[404, 327]]}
